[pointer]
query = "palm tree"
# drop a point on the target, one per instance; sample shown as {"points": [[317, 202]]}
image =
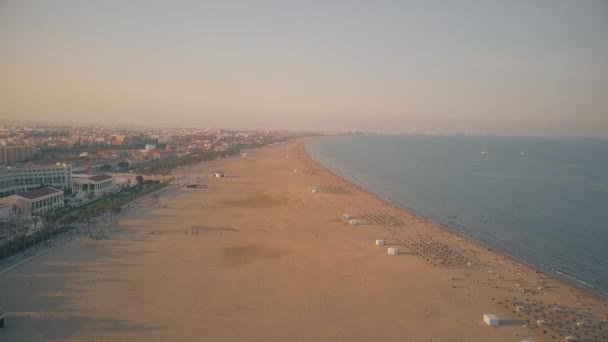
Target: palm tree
{"points": [[49, 221], [91, 217], [66, 220], [17, 211], [11, 231], [115, 211], [22, 233], [82, 218], [90, 195], [35, 221], [9, 243]]}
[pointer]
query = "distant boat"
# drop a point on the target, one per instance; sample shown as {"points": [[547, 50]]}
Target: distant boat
{"points": [[483, 150], [522, 153]]}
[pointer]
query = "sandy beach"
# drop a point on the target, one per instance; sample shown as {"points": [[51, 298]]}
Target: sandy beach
{"points": [[258, 256]]}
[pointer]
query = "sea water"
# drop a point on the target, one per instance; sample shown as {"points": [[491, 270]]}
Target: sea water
{"points": [[543, 201]]}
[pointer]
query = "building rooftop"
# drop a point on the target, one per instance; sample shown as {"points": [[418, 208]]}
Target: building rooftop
{"points": [[94, 178], [99, 178], [39, 193]]}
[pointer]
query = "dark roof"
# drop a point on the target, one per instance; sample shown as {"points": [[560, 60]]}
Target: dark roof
{"points": [[99, 178], [39, 193]]}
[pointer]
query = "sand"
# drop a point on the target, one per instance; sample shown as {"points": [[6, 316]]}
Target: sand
{"points": [[258, 256]]}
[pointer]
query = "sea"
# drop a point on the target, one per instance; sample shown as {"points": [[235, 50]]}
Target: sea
{"points": [[543, 201]]}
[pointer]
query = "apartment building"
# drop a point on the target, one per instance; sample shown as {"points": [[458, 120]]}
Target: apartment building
{"points": [[23, 178]]}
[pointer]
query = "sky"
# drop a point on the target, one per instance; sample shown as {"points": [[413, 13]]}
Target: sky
{"points": [[477, 67]]}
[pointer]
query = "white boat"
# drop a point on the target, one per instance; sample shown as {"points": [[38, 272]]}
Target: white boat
{"points": [[483, 150]]}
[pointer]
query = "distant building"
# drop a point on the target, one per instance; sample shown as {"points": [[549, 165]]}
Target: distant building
{"points": [[12, 154], [96, 184], [164, 155], [23, 178], [150, 147]]}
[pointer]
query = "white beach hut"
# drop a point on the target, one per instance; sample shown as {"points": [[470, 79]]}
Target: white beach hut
{"points": [[491, 320], [353, 222], [379, 242], [393, 251]]}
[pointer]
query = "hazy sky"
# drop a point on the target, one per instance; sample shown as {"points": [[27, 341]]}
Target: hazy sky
{"points": [[521, 67]]}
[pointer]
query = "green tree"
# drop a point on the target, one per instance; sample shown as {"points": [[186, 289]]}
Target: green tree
{"points": [[90, 195], [49, 221], [35, 221], [92, 213], [12, 230], [22, 234], [17, 212], [82, 218], [115, 211], [105, 168]]}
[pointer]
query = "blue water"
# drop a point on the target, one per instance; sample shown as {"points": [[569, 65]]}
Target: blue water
{"points": [[548, 207]]}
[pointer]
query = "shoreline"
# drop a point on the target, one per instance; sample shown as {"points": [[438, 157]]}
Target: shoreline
{"points": [[256, 254], [571, 280]]}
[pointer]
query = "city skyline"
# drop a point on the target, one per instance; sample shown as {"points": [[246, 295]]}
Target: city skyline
{"points": [[476, 68]]}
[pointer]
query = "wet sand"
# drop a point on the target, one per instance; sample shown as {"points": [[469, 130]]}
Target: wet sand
{"points": [[258, 256]]}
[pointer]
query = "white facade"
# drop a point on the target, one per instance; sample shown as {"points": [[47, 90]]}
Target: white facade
{"points": [[19, 179], [95, 184], [37, 202], [47, 203], [491, 320], [393, 251]]}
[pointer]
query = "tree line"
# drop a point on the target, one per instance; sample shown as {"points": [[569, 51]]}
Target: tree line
{"points": [[55, 223]]}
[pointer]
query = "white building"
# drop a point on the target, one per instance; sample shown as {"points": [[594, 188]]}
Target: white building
{"points": [[23, 178], [96, 184], [35, 202]]}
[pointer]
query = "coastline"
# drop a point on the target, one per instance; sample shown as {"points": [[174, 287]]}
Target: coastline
{"points": [[556, 273], [257, 255]]}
